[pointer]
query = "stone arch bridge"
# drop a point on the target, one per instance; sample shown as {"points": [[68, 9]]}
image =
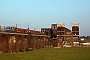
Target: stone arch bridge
{"points": [[16, 42]]}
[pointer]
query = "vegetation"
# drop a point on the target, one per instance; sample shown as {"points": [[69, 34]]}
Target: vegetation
{"points": [[79, 53]]}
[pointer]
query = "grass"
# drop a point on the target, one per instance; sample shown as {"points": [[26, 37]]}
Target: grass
{"points": [[50, 54]]}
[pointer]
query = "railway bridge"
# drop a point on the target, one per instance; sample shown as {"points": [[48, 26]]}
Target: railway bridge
{"points": [[18, 42]]}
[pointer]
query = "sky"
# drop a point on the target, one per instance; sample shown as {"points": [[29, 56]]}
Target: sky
{"points": [[43, 13]]}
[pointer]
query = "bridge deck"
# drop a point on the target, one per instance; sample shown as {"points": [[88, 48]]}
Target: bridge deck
{"points": [[13, 33]]}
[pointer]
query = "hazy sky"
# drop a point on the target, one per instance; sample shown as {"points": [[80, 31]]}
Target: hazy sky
{"points": [[42, 13]]}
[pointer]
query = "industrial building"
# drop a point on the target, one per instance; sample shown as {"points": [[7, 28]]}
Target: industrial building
{"points": [[61, 35]]}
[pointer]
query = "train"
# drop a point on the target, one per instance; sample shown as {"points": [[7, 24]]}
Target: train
{"points": [[19, 30], [16, 30]]}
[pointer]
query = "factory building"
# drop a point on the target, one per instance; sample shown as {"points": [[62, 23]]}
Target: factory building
{"points": [[61, 35]]}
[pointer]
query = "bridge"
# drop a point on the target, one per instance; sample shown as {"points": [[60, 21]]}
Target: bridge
{"points": [[18, 42]]}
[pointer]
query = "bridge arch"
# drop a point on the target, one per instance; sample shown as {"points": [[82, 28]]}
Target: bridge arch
{"points": [[25, 42], [34, 42], [4, 43], [12, 43], [19, 43]]}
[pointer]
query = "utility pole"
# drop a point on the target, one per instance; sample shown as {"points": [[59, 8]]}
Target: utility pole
{"points": [[34, 28], [34, 31], [28, 26], [16, 25]]}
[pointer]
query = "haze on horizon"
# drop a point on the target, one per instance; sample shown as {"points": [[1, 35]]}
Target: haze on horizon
{"points": [[42, 13]]}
